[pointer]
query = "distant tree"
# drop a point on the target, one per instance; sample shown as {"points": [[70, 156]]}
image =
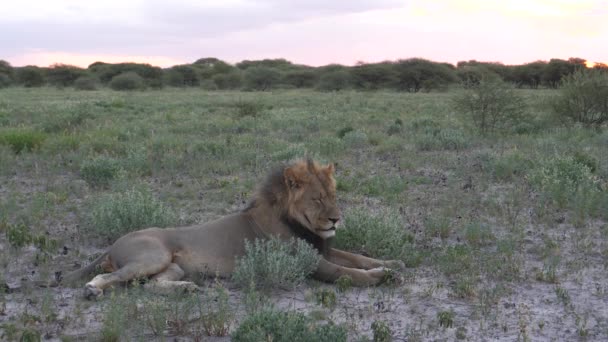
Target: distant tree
{"points": [[182, 76], [6, 68], [416, 74], [61, 75], [300, 78], [129, 80], [373, 76], [30, 76], [268, 63], [529, 75], [211, 66], [152, 76], [471, 75], [230, 80], [583, 97], [600, 66], [5, 81], [261, 78], [334, 80]]}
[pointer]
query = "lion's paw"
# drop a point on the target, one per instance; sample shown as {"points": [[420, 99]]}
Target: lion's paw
{"points": [[92, 292], [395, 264]]}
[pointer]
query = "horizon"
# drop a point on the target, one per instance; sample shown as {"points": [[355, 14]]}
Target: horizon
{"points": [[312, 33]]}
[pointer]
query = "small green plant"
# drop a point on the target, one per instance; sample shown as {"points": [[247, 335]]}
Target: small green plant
{"points": [[100, 171], [355, 139], [344, 283], [115, 214], [478, 234], [381, 332], [278, 326], [438, 226], [249, 108], [216, 315], [563, 295], [445, 139], [380, 235], [344, 130], [274, 263], [21, 140], [326, 297], [115, 320], [446, 319]]}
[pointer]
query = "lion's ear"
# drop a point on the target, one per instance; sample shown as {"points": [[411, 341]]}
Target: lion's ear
{"points": [[330, 169], [292, 179]]}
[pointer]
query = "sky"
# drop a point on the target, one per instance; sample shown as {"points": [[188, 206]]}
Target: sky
{"points": [[312, 32]]}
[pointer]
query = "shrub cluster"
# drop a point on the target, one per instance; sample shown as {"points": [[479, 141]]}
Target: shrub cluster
{"points": [[116, 214], [279, 326], [275, 264]]}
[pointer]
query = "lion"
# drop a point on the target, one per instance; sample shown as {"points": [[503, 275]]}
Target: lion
{"points": [[297, 200]]}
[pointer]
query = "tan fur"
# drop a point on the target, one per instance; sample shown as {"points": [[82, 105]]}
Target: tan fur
{"points": [[298, 200]]}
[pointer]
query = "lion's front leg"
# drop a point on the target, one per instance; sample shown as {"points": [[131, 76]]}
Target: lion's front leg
{"points": [[352, 260], [330, 272]]}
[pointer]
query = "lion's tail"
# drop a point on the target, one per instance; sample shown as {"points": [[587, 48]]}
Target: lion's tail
{"points": [[75, 275]]}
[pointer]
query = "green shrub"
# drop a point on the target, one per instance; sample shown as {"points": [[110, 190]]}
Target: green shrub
{"points": [[5, 81], [334, 81], [381, 331], [277, 326], [478, 234], [230, 80], [510, 166], [100, 171], [86, 83], [30, 76], [560, 178], [355, 139], [380, 235], [127, 81], [22, 139], [261, 78], [490, 105], [116, 214], [583, 98], [274, 263], [249, 108]]}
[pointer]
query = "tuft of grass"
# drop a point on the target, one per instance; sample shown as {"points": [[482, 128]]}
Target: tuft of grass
{"points": [[279, 326], [381, 332], [446, 319], [275, 264], [326, 297], [381, 235], [116, 214], [100, 171], [355, 139], [21, 140], [445, 139], [478, 234]]}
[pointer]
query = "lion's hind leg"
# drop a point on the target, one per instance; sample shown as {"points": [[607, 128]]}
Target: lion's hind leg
{"points": [[169, 281], [144, 267]]}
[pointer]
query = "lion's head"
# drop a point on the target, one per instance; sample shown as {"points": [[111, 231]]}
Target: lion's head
{"points": [[305, 194]]}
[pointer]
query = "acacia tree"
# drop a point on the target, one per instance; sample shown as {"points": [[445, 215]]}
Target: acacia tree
{"points": [[583, 97]]}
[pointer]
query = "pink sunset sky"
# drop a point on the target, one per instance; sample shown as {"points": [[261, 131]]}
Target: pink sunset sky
{"points": [[313, 32]]}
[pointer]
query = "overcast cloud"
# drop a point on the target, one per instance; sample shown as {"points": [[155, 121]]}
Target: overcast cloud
{"points": [[311, 32]]}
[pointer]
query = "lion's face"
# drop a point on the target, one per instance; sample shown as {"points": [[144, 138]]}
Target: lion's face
{"points": [[312, 197]]}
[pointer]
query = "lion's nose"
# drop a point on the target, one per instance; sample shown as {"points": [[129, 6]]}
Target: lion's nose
{"points": [[334, 220]]}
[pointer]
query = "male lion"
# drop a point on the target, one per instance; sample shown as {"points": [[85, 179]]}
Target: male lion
{"points": [[298, 200]]}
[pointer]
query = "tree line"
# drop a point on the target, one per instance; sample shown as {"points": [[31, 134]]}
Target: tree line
{"points": [[408, 75]]}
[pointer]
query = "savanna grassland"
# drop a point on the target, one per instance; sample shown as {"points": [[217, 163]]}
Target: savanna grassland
{"points": [[504, 234]]}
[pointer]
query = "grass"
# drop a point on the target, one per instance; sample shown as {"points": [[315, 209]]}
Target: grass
{"points": [[475, 218]]}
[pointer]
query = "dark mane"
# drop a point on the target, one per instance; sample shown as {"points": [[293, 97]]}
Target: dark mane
{"points": [[272, 191]]}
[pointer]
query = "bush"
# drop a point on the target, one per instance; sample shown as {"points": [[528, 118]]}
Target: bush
{"points": [[563, 178], [490, 105], [22, 140], [230, 80], [274, 263], [127, 81], [114, 215], [380, 235], [583, 98], [86, 83], [61, 75], [5, 81], [30, 76], [277, 326], [355, 139], [100, 171], [334, 81], [261, 78]]}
